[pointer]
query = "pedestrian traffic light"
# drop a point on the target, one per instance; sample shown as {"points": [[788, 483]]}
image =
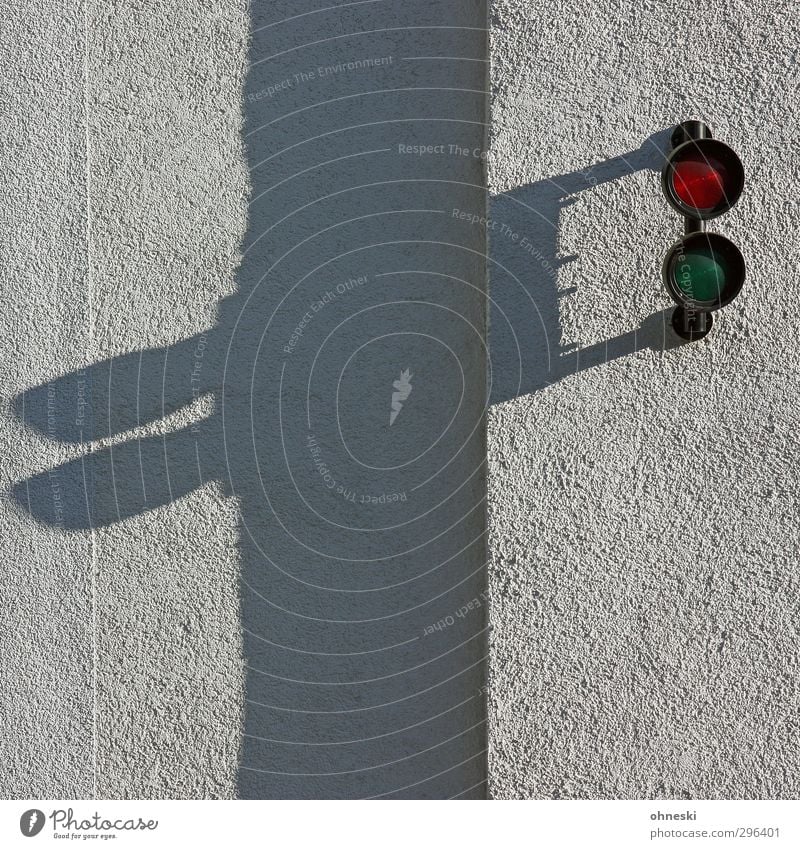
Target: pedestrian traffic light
{"points": [[702, 272]]}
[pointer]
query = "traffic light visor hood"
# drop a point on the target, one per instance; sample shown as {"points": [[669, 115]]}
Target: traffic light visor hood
{"points": [[702, 178]]}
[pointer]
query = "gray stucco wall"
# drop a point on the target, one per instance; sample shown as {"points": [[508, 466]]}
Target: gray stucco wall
{"points": [[46, 614], [194, 610], [213, 337], [642, 497]]}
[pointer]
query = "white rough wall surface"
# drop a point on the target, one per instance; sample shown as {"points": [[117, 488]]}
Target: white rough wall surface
{"points": [[228, 622], [46, 615], [642, 495], [168, 201]]}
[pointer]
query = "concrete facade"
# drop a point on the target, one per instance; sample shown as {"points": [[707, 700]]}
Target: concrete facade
{"points": [[642, 496]]}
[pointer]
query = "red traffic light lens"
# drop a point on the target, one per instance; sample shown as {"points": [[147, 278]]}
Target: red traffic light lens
{"points": [[702, 178], [699, 182]]}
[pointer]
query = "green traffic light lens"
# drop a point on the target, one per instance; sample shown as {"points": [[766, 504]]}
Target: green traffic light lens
{"points": [[701, 274], [704, 271]]}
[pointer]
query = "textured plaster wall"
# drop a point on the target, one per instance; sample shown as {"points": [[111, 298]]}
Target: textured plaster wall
{"points": [[191, 611], [232, 230], [642, 496], [168, 195], [46, 611]]}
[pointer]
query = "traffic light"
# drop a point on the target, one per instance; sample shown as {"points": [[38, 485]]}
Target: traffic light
{"points": [[703, 271]]}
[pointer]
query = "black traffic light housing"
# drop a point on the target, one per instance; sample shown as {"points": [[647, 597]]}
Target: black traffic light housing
{"points": [[702, 272]]}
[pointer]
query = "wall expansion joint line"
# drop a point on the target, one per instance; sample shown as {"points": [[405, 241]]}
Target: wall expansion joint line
{"points": [[89, 359]]}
